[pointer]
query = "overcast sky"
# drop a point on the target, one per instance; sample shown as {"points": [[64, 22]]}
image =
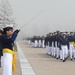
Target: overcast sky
{"points": [[57, 15]]}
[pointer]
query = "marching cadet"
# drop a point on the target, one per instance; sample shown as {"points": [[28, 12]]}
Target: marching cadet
{"points": [[35, 41], [71, 40], [52, 47], [64, 46], [54, 42], [61, 36], [57, 44], [47, 44], [67, 34], [39, 41], [43, 41], [32, 41], [8, 60], [50, 44]]}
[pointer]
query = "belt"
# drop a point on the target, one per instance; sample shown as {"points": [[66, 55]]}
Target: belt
{"points": [[13, 56]]}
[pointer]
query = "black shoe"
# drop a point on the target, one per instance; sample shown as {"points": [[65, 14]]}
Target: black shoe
{"points": [[64, 60], [71, 59], [60, 59], [57, 58]]}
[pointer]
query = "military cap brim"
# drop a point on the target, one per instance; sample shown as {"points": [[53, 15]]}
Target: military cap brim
{"points": [[7, 29]]}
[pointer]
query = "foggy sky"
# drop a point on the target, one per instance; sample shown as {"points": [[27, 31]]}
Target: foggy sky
{"points": [[57, 15]]}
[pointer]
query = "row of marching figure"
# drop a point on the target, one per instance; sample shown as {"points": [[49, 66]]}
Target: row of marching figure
{"points": [[36, 42], [60, 45]]}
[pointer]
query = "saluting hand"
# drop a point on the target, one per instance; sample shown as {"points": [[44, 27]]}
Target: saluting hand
{"points": [[17, 30]]}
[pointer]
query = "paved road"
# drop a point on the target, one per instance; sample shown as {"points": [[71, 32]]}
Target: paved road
{"points": [[44, 64]]}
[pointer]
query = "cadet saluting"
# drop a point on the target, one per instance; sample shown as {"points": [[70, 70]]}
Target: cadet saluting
{"points": [[7, 43]]}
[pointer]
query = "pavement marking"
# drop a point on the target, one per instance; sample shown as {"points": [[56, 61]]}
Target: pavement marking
{"points": [[25, 66]]}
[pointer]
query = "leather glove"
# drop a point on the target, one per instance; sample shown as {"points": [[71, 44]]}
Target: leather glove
{"points": [[17, 30]]}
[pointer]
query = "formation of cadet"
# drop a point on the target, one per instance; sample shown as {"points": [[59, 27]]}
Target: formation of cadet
{"points": [[60, 45], [36, 41]]}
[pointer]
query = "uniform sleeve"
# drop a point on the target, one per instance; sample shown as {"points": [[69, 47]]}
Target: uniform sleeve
{"points": [[11, 39]]}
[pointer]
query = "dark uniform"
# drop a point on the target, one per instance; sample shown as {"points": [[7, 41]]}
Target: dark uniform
{"points": [[58, 45], [47, 44], [7, 45], [64, 46], [8, 41]]}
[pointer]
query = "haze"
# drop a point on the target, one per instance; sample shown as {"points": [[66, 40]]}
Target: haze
{"points": [[57, 15]]}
